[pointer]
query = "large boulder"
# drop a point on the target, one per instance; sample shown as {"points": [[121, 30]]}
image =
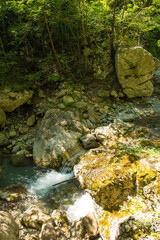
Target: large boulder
{"points": [[9, 101], [111, 175], [135, 68], [2, 118], [8, 227], [57, 138]]}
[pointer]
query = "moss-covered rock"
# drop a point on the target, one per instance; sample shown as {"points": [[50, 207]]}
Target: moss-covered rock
{"points": [[112, 175]]}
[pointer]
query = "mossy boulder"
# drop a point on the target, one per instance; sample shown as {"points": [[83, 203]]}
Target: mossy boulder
{"points": [[113, 175], [135, 68], [9, 101]]}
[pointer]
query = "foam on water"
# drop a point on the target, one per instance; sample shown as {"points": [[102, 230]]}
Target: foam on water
{"points": [[81, 207], [44, 183]]}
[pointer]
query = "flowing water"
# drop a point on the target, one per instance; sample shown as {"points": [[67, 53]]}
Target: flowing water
{"points": [[67, 196]]}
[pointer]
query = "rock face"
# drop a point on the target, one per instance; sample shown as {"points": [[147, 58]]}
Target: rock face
{"points": [[9, 101], [57, 138], [2, 118], [8, 227], [135, 67]]}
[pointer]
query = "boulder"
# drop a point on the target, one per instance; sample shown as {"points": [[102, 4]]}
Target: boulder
{"points": [[111, 175], [8, 227], [135, 68], [57, 138], [35, 218], [9, 101], [2, 118]]}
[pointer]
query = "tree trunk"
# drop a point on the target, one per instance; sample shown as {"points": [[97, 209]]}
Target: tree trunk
{"points": [[52, 44], [84, 30]]}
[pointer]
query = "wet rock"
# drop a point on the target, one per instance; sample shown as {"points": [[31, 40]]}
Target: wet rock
{"points": [[13, 193], [9, 101], [9, 229], [20, 159], [35, 218], [135, 67], [31, 120], [57, 138], [2, 118], [89, 141]]}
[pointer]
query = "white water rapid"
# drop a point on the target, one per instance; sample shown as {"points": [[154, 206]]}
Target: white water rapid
{"points": [[80, 202], [44, 183]]}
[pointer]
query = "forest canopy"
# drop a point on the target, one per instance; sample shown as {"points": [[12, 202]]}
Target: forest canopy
{"points": [[41, 38]]}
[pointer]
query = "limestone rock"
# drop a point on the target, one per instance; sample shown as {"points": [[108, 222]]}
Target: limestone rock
{"points": [[35, 218], [9, 101], [135, 67], [2, 118], [89, 141], [57, 138], [8, 227]]}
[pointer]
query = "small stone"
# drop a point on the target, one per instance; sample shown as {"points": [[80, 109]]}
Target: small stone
{"points": [[103, 93], [23, 129], [114, 94], [61, 93], [31, 120], [81, 105], [61, 106], [12, 133], [67, 100], [16, 149]]}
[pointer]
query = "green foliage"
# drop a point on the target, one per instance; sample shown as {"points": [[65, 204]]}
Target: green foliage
{"points": [[26, 48]]}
